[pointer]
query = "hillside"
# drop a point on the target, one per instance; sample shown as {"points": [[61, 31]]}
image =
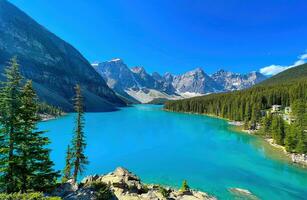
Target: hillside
{"points": [[298, 73], [54, 65]]}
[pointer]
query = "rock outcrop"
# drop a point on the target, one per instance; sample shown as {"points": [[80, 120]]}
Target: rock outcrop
{"points": [[123, 185], [299, 158]]}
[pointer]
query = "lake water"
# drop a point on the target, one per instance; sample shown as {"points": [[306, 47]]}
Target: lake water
{"points": [[166, 148]]}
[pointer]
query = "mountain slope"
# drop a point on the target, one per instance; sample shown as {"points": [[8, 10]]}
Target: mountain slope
{"points": [[53, 65], [135, 84], [196, 81], [290, 75]]}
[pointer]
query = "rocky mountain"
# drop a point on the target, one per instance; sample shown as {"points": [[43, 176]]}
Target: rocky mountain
{"points": [[196, 81], [137, 85], [54, 65], [134, 84], [234, 81]]}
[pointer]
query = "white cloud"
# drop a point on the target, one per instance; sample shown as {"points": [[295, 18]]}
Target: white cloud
{"points": [[299, 62], [275, 69], [272, 69], [303, 57]]}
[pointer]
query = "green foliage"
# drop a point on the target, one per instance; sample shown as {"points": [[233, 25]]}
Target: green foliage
{"points": [[44, 108], [278, 130], [26, 196], [165, 193], [67, 169], [79, 159], [103, 191], [10, 104], [184, 186], [24, 158], [265, 129], [294, 74], [34, 162]]}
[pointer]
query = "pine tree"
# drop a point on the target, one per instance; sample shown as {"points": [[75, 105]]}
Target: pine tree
{"points": [[184, 187], [78, 143], [24, 160], [291, 137], [67, 169], [299, 109], [10, 125], [35, 166], [278, 130]]}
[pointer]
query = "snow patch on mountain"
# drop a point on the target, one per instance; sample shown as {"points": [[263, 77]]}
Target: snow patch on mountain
{"points": [[146, 96]]}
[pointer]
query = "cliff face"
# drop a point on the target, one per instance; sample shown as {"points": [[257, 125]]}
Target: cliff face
{"points": [[53, 65]]}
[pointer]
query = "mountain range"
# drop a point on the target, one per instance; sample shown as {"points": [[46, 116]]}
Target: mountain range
{"points": [[53, 65], [138, 86]]}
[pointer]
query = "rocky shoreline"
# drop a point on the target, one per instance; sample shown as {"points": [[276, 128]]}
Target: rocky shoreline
{"points": [[300, 159], [47, 117], [123, 185]]}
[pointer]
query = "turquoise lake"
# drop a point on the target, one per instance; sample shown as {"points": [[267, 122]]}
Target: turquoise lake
{"points": [[166, 148]]}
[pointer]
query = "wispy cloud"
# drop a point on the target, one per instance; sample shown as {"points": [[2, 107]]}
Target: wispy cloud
{"points": [[275, 69]]}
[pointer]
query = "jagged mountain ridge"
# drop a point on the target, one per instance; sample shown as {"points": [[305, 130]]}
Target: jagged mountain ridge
{"points": [[234, 81], [53, 65], [137, 84]]}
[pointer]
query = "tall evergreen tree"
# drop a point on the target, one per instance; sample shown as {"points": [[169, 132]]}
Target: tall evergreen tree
{"points": [[67, 169], [299, 110], [24, 160], [278, 129], [10, 125], [266, 122], [291, 137], [79, 143], [34, 164]]}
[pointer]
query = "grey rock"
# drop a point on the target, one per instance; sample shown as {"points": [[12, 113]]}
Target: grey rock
{"points": [[196, 81], [234, 81], [125, 185]]}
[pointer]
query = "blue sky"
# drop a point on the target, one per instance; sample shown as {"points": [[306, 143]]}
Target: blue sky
{"points": [[176, 36]]}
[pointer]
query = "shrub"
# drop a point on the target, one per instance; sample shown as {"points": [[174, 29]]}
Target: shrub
{"points": [[184, 186], [102, 190], [26, 196], [165, 193]]}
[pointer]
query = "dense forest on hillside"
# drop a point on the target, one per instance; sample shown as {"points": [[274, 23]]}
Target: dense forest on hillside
{"points": [[44, 108], [251, 106]]}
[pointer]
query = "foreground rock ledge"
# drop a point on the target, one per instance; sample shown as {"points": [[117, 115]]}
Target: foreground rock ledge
{"points": [[123, 185]]}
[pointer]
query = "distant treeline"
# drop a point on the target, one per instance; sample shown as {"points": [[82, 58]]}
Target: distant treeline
{"points": [[44, 108], [245, 105]]}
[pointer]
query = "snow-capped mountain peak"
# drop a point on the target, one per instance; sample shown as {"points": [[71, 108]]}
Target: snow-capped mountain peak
{"points": [[137, 85]]}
